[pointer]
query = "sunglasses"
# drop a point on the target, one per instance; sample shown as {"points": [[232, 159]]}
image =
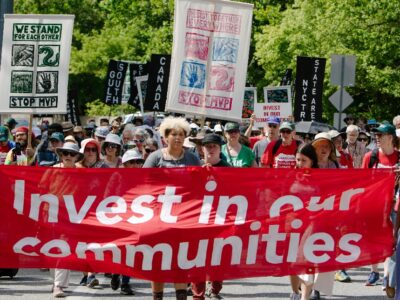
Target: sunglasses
{"points": [[362, 139], [90, 149], [287, 131], [272, 125], [139, 141], [135, 162], [66, 153], [148, 150], [233, 131], [112, 146]]}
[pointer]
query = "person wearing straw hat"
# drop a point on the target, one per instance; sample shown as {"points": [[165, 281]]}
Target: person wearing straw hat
{"points": [[68, 155], [111, 149]]}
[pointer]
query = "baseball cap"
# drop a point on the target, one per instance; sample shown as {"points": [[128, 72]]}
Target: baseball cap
{"points": [[10, 121], [286, 125], [231, 126], [273, 120], [57, 136], [385, 128]]}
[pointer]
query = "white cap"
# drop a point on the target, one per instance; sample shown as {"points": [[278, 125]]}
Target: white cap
{"points": [[218, 128], [36, 131], [194, 126]]}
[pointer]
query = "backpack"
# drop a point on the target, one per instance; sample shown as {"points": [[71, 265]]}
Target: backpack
{"points": [[374, 159]]}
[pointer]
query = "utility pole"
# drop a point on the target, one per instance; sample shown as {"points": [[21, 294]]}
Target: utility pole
{"points": [[6, 7]]}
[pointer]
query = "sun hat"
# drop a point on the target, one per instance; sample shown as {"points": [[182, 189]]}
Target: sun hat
{"points": [[67, 126], [3, 134], [58, 136], [334, 133], [102, 131], [231, 126], [71, 147], [188, 144], [70, 139], [86, 142], [273, 120], [212, 138], [78, 129], [199, 137], [131, 154], [111, 138], [324, 136], [385, 128]]}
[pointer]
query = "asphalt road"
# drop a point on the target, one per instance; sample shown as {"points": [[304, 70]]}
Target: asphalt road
{"points": [[35, 284]]}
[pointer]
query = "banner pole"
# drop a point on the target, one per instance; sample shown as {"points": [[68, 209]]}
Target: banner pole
{"points": [[30, 131]]}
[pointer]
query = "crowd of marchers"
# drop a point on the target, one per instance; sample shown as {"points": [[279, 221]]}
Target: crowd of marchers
{"points": [[180, 142]]}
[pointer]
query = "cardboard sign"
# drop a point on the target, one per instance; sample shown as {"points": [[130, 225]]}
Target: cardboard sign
{"points": [[277, 103], [157, 85], [35, 63], [114, 82], [250, 97], [209, 58], [136, 70], [310, 72]]}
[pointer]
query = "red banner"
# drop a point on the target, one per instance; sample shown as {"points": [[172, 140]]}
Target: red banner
{"points": [[191, 224]]}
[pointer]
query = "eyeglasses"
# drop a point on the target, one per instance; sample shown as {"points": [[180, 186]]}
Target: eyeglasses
{"points": [[272, 126], [148, 150], [362, 139], [66, 153], [112, 146], [90, 149], [139, 141], [286, 131]]}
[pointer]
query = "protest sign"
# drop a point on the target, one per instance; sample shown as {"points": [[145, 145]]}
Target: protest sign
{"points": [[277, 103], [136, 70], [209, 58], [250, 97], [310, 72], [35, 63], [157, 85], [141, 84], [114, 82], [194, 224]]}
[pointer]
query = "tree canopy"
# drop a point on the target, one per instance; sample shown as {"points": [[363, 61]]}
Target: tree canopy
{"points": [[132, 30]]}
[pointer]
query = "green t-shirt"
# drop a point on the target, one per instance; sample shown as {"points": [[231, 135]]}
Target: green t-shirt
{"points": [[243, 160]]}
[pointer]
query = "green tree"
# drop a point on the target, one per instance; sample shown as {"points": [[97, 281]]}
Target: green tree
{"points": [[367, 29]]}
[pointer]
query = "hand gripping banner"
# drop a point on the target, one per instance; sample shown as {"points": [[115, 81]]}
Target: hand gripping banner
{"points": [[192, 224]]}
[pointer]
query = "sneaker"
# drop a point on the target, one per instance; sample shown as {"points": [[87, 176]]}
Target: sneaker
{"points": [[342, 276], [315, 295], [373, 279], [294, 296], [126, 290], [216, 296], [92, 282], [115, 282], [83, 281], [58, 292]]}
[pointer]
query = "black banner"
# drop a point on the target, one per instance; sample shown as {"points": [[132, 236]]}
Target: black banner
{"points": [[157, 85], [114, 82], [310, 73], [136, 70], [72, 110]]}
